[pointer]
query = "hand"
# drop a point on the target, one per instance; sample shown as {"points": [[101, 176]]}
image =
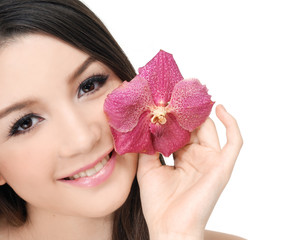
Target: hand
{"points": [[177, 201]]}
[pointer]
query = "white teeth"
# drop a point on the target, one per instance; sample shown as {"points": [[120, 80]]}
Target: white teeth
{"points": [[76, 176], [98, 167], [104, 161], [91, 171]]}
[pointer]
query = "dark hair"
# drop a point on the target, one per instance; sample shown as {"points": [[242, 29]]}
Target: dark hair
{"points": [[72, 22]]}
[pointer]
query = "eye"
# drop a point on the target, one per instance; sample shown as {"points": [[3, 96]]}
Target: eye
{"points": [[24, 124], [91, 85]]}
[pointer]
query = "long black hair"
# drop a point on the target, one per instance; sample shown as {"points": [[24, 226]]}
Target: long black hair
{"points": [[72, 22]]}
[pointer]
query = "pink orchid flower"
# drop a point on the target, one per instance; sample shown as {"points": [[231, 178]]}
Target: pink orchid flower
{"points": [[157, 110]]}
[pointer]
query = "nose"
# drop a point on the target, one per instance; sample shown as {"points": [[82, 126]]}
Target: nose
{"points": [[78, 133]]}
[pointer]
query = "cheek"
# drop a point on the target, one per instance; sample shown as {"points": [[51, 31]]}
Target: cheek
{"points": [[26, 166], [100, 122], [117, 189], [98, 109]]}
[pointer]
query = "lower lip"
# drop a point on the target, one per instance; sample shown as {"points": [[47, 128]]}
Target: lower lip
{"points": [[96, 179]]}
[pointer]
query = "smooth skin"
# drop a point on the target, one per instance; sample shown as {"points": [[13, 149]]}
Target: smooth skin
{"points": [[69, 131], [184, 196], [177, 201]]}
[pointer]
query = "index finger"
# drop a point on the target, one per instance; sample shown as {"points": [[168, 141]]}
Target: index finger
{"points": [[234, 138]]}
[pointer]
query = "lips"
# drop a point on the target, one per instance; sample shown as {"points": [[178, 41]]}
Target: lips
{"points": [[93, 174], [90, 171]]}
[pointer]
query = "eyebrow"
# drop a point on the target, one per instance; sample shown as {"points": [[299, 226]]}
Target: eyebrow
{"points": [[81, 69], [29, 102], [17, 106]]}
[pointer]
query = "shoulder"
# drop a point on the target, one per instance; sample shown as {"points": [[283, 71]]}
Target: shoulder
{"points": [[211, 235]]}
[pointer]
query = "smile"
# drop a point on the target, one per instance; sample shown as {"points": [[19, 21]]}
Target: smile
{"points": [[93, 174], [91, 171]]}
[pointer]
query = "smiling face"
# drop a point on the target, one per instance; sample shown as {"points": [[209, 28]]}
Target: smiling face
{"points": [[53, 130]]}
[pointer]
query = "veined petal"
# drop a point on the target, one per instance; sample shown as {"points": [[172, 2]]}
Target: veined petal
{"points": [[137, 140], [172, 138], [190, 103], [125, 104], [162, 74]]}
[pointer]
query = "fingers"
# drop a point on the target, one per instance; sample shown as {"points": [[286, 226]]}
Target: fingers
{"points": [[146, 163], [207, 135], [234, 138]]}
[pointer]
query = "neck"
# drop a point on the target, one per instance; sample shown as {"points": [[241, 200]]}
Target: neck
{"points": [[50, 226]]}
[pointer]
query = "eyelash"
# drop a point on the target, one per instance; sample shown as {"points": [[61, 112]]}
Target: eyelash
{"points": [[100, 79], [13, 129]]}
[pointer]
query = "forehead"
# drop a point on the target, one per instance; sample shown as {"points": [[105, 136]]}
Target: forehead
{"points": [[34, 62]]}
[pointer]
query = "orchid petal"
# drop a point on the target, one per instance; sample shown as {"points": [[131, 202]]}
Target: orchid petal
{"points": [[190, 103], [162, 74], [138, 140], [156, 129], [173, 137], [125, 104]]}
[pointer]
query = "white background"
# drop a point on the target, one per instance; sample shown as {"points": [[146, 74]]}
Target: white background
{"points": [[249, 54]]}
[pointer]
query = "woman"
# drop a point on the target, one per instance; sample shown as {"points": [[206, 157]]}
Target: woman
{"points": [[58, 62]]}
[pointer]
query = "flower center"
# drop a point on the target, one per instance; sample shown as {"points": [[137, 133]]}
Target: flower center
{"points": [[159, 115]]}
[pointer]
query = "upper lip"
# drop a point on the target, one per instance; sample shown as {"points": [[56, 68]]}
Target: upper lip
{"points": [[90, 165]]}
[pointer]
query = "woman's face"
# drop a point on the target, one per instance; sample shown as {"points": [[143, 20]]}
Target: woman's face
{"points": [[53, 129]]}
